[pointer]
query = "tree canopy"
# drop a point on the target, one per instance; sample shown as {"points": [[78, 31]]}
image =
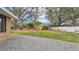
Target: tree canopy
{"points": [[54, 14]]}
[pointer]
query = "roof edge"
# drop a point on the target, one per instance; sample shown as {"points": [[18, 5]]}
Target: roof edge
{"points": [[9, 13]]}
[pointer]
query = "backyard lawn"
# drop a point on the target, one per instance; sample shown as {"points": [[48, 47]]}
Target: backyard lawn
{"points": [[65, 36]]}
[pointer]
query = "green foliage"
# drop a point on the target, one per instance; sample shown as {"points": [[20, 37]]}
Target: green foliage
{"points": [[37, 23], [44, 27], [68, 12], [30, 25], [54, 14], [75, 24]]}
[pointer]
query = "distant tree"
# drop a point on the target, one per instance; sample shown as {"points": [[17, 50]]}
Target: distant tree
{"points": [[55, 14], [35, 14], [21, 12]]}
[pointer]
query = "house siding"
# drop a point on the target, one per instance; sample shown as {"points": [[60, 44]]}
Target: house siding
{"points": [[6, 34], [8, 24]]}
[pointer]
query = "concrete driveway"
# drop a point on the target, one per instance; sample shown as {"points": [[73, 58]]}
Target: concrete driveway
{"points": [[29, 43]]}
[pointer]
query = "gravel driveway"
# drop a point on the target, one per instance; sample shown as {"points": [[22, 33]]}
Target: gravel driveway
{"points": [[29, 43]]}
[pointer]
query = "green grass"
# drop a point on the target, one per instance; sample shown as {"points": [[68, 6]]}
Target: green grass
{"points": [[65, 36]]}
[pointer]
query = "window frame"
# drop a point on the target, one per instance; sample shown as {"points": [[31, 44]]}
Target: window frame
{"points": [[3, 23]]}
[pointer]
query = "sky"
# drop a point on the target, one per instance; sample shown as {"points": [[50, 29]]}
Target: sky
{"points": [[43, 19]]}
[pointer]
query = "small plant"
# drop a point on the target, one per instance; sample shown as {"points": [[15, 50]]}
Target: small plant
{"points": [[44, 27], [30, 25]]}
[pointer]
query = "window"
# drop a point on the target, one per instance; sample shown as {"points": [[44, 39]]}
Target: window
{"points": [[2, 24]]}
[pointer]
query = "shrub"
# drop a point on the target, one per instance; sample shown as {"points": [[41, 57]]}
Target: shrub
{"points": [[45, 27], [30, 25]]}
